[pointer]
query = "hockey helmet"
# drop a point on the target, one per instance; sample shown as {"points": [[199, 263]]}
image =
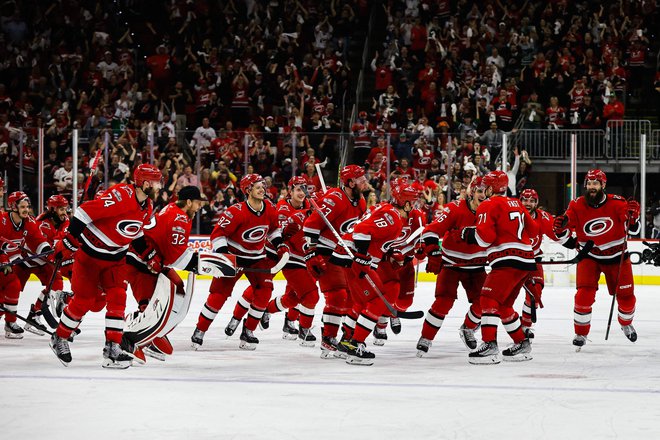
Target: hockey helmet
{"points": [[248, 181], [350, 172], [297, 180], [57, 201], [529, 194], [404, 193], [15, 198], [476, 183], [596, 174], [497, 180], [147, 173]]}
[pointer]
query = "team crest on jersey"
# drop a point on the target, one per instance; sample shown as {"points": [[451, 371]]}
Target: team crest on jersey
{"points": [[347, 226], [181, 218], [129, 228], [255, 235], [598, 226], [129, 190], [9, 246]]}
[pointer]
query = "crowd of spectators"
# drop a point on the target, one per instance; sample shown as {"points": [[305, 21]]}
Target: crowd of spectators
{"points": [[210, 89]]}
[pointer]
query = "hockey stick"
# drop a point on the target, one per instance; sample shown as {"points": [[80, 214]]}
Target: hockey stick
{"points": [[33, 323], [28, 258], [92, 170], [45, 310], [532, 304], [318, 172], [23, 249], [406, 315], [618, 275], [225, 264], [420, 240]]}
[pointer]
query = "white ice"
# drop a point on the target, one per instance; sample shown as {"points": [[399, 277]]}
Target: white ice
{"points": [[611, 389]]}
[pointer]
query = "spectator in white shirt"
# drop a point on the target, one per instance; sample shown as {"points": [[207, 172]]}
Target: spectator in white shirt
{"points": [[204, 135], [107, 66]]}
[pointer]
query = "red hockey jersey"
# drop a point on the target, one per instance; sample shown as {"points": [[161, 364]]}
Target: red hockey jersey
{"points": [[447, 226], [416, 219], [243, 231], [544, 221], [168, 233], [506, 229], [341, 212], [288, 214], [52, 234], [604, 224], [15, 236], [105, 226]]}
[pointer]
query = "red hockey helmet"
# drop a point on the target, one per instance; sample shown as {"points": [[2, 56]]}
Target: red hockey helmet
{"points": [[403, 180], [498, 180], [15, 198], [362, 115], [248, 181], [350, 172], [404, 193], [297, 180], [529, 194], [476, 183], [596, 174], [57, 201], [147, 173]]}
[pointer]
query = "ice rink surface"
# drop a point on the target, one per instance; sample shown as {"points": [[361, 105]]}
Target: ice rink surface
{"points": [[611, 389]]}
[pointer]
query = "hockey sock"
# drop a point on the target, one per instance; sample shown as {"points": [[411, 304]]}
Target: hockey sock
{"points": [[363, 327], [473, 316], [432, 324], [512, 326]]}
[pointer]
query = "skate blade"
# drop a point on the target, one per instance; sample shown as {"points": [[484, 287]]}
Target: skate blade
{"points": [[154, 354], [518, 358], [10, 335], [289, 336], [195, 346], [247, 346], [421, 353], [578, 349], [379, 342], [489, 360], [353, 360], [340, 355], [66, 364], [34, 330], [310, 344], [115, 365], [327, 354]]}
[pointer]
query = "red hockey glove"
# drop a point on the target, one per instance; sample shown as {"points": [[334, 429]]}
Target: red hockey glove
{"points": [[434, 264], [361, 265], [428, 250], [315, 263], [633, 211], [153, 261], [396, 259], [281, 250], [4, 264], [559, 224], [468, 234], [65, 245], [290, 229]]}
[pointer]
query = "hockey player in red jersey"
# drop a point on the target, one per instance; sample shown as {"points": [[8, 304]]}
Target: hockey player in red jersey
{"points": [[342, 207], [53, 224], [533, 286], [447, 226], [399, 274], [606, 219], [301, 293], [167, 238], [506, 229], [103, 229], [243, 230], [17, 230], [370, 240]]}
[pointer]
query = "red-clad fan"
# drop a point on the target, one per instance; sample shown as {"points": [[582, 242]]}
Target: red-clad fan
{"points": [[361, 130], [469, 258], [243, 231], [399, 274], [607, 220], [342, 208], [167, 246], [103, 229], [17, 230], [53, 224], [371, 238], [506, 229], [534, 284], [302, 293]]}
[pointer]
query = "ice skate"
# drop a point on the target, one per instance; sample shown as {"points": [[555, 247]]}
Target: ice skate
{"points": [[423, 346], [232, 326], [518, 352], [579, 341], [380, 336], [248, 340], [342, 348], [264, 323], [328, 347], [395, 325], [37, 327], [289, 331], [630, 332], [57, 301], [307, 338], [467, 336], [60, 347], [13, 331], [114, 357], [197, 339], [486, 354], [357, 354], [153, 352], [529, 333]]}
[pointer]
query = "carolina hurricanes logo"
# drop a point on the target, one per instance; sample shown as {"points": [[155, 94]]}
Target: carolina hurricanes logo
{"points": [[9, 246], [129, 228], [400, 240], [598, 226], [535, 241], [347, 226], [255, 235], [424, 160]]}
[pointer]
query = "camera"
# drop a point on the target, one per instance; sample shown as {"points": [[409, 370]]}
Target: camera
{"points": [[652, 254]]}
